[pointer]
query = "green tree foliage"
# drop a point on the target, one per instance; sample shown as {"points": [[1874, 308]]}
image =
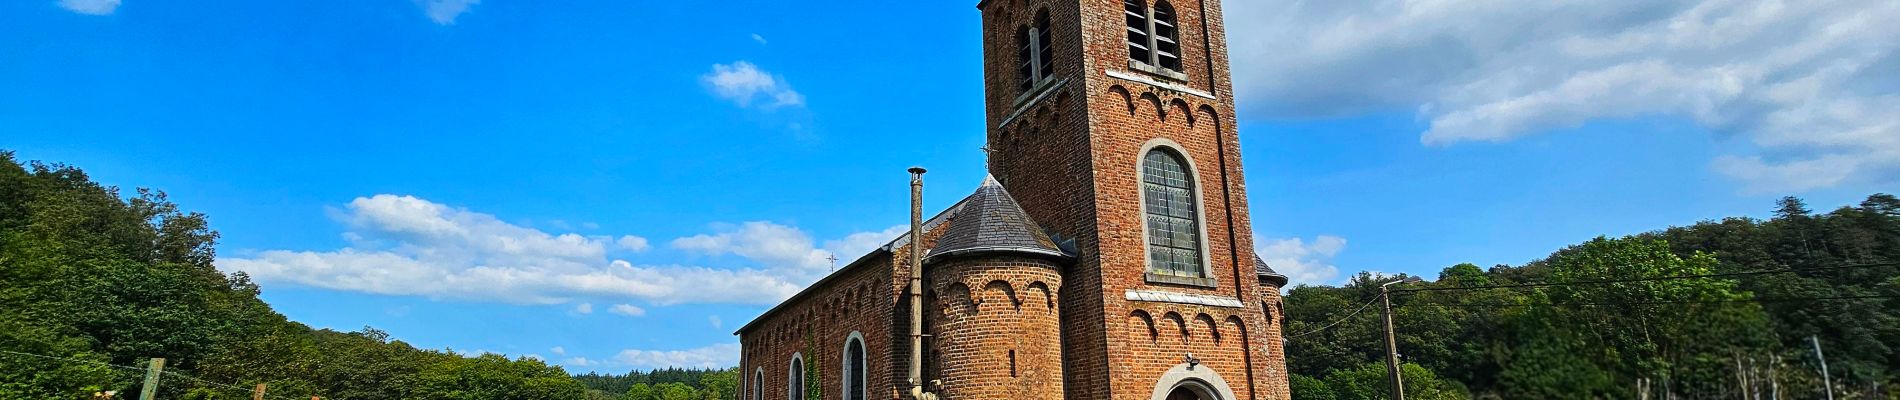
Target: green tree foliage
{"points": [[1606, 318], [1368, 382], [666, 384], [92, 278]]}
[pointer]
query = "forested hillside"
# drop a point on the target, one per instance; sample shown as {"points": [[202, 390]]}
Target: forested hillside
{"points": [[1721, 309], [666, 384], [93, 283]]}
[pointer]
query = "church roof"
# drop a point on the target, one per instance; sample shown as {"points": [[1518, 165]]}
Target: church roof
{"points": [[991, 221], [1266, 273]]}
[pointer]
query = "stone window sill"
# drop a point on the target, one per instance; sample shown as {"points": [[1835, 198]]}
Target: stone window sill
{"points": [[1181, 280], [1169, 74]]}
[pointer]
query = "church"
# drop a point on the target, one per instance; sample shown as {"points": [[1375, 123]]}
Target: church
{"points": [[1108, 256]]}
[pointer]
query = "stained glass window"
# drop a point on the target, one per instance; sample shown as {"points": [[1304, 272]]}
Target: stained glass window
{"points": [[1174, 232]]}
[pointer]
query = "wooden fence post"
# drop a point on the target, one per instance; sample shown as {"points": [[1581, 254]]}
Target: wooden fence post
{"points": [[151, 379]]}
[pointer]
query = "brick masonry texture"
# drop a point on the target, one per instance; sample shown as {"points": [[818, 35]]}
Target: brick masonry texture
{"points": [[1069, 152]]}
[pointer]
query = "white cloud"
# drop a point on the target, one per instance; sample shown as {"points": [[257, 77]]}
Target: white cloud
{"points": [[714, 356], [1809, 84], [403, 245], [743, 83], [584, 308], [558, 350], [579, 362], [627, 310], [633, 243], [716, 322], [90, 7], [444, 11], [1302, 262], [757, 38]]}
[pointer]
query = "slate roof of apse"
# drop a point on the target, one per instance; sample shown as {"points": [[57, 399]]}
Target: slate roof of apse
{"points": [[1267, 273], [992, 222]]}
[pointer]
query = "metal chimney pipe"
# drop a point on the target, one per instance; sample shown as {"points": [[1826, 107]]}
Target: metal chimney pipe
{"points": [[917, 286]]}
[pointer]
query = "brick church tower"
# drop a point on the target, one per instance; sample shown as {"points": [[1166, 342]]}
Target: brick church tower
{"points": [[1108, 257], [1113, 123]]}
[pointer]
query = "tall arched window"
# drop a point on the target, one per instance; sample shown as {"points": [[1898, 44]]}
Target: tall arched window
{"points": [[795, 379], [758, 384], [1174, 231], [1153, 36], [854, 368], [1036, 50]]}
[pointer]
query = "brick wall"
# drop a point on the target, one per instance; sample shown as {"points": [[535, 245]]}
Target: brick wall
{"points": [[997, 324], [816, 327]]}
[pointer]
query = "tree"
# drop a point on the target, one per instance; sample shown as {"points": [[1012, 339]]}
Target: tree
{"points": [[1309, 388], [720, 385], [90, 277]]}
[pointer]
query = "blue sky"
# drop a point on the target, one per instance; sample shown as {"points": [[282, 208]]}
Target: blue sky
{"points": [[612, 185]]}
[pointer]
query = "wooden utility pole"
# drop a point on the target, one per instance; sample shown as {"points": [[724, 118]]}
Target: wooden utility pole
{"points": [[1826, 381], [1392, 348], [258, 394], [1774, 381], [151, 379]]}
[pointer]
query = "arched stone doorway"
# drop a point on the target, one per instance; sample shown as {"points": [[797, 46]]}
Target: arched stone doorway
{"points": [[1192, 382], [1192, 390]]}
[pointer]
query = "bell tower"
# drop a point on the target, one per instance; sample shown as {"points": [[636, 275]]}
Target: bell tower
{"points": [[1112, 124]]}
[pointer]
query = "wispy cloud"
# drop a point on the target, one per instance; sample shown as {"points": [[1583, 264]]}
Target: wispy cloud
{"points": [[90, 7], [1303, 262], [714, 356], [745, 84], [584, 308], [757, 38], [632, 243], [445, 11], [1809, 83], [627, 310], [404, 245]]}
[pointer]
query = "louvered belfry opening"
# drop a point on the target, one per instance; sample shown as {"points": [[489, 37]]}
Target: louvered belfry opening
{"points": [[1167, 49], [1138, 39], [1035, 53]]}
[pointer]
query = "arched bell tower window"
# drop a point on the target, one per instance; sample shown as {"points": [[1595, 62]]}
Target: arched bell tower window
{"points": [[1036, 50], [1173, 214], [1138, 38], [1153, 37]]}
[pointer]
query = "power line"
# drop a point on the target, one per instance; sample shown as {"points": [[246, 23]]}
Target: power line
{"points": [[1649, 279], [1773, 300], [141, 369], [1362, 307], [73, 360]]}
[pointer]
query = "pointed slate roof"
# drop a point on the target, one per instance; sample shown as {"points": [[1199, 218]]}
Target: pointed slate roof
{"points": [[1266, 273], [991, 221]]}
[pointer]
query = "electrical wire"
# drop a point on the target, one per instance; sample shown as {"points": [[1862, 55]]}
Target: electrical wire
{"points": [[240, 389], [1773, 300], [1650, 279], [1354, 313], [1608, 281]]}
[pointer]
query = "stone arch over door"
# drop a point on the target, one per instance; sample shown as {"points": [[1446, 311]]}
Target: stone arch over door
{"points": [[1192, 381]]}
